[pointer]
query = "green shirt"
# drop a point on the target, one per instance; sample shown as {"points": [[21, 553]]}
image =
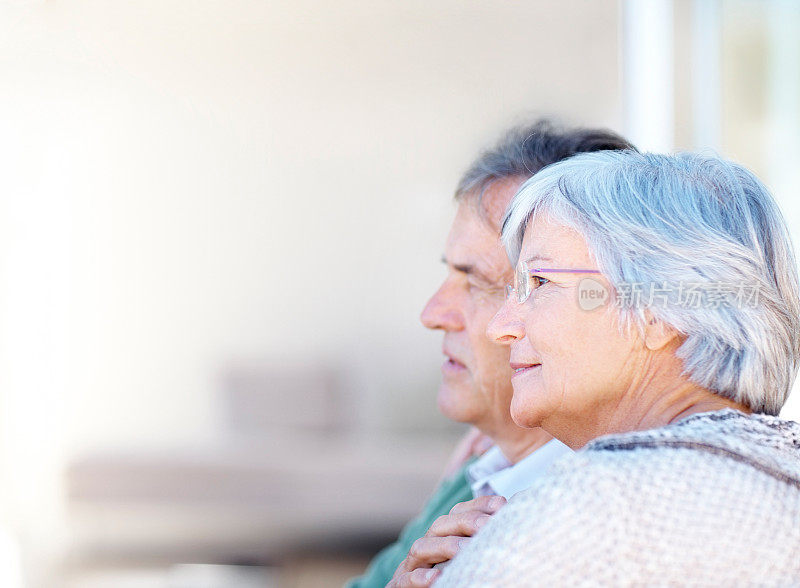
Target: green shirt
{"points": [[449, 493]]}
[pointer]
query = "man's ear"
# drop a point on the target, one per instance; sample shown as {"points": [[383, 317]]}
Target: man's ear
{"points": [[658, 334]]}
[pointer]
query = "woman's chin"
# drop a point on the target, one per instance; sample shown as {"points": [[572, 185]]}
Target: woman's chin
{"points": [[525, 416], [528, 406]]}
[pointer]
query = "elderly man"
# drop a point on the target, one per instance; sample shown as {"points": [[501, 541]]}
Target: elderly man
{"points": [[476, 387]]}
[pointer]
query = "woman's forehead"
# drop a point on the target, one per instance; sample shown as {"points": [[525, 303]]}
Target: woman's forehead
{"points": [[547, 241]]}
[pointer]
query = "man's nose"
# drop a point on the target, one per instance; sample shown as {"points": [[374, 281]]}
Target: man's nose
{"points": [[506, 326], [442, 311]]}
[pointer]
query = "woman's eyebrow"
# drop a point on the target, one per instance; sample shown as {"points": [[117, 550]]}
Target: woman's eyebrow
{"points": [[538, 258]]}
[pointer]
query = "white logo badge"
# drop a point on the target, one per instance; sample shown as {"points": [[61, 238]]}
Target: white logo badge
{"points": [[591, 294]]}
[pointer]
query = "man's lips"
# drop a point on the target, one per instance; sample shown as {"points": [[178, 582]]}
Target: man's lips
{"points": [[452, 364]]}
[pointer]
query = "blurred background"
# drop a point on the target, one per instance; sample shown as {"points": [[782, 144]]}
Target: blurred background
{"points": [[220, 220]]}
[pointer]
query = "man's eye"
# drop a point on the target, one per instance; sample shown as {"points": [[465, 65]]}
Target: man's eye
{"points": [[485, 288], [537, 281]]}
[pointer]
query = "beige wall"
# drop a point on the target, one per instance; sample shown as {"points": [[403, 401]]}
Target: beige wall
{"points": [[189, 185]]}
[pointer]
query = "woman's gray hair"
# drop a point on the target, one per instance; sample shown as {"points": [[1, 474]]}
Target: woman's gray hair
{"points": [[677, 220]]}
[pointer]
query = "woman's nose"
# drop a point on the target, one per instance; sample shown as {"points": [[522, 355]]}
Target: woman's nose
{"points": [[506, 326]]}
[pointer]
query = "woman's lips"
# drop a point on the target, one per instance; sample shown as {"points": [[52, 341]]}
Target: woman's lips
{"points": [[524, 368]]}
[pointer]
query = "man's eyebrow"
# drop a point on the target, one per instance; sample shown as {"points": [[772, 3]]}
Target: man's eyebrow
{"points": [[466, 269], [461, 267]]}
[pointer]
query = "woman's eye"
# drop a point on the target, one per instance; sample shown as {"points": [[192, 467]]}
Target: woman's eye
{"points": [[537, 281]]}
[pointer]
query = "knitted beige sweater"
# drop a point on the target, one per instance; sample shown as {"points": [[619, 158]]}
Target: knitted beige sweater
{"points": [[713, 500]]}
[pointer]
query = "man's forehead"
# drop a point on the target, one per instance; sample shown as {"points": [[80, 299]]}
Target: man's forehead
{"points": [[474, 245], [492, 200]]}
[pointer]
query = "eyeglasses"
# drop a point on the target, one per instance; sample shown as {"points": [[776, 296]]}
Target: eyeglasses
{"points": [[526, 282]]}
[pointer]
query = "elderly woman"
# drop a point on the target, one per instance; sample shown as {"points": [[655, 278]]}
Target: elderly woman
{"points": [[653, 325]]}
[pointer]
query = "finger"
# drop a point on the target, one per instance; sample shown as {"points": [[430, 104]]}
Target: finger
{"points": [[427, 551], [464, 524], [486, 504], [419, 578]]}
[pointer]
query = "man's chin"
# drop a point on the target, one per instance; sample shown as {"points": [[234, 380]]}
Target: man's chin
{"points": [[457, 404]]}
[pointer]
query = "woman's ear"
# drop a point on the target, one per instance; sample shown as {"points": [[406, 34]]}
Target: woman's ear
{"points": [[658, 334]]}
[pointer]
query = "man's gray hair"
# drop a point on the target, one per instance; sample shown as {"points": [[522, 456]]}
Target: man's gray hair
{"points": [[524, 150], [670, 220]]}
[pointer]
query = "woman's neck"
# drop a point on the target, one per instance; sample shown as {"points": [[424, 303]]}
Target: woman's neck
{"points": [[654, 402]]}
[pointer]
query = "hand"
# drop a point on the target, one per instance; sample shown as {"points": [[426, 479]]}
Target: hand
{"points": [[445, 537], [473, 443]]}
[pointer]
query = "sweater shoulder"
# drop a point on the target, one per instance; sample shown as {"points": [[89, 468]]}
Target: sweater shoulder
{"points": [[669, 503], [714, 442]]}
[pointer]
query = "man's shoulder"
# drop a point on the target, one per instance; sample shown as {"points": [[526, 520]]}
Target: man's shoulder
{"points": [[448, 493]]}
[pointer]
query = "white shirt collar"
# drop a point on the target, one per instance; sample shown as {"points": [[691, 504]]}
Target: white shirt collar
{"points": [[492, 473]]}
